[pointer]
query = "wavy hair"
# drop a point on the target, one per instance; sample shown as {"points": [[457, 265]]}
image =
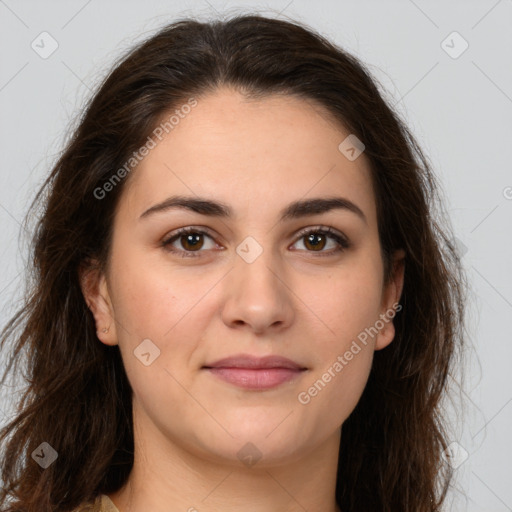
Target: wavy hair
{"points": [[78, 398]]}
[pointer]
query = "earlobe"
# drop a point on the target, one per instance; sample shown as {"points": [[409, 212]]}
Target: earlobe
{"points": [[385, 335], [95, 291], [390, 302]]}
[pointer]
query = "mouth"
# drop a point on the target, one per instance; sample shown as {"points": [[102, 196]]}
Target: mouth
{"points": [[250, 378], [249, 372]]}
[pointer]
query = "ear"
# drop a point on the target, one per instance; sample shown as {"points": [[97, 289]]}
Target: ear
{"points": [[390, 298], [95, 291]]}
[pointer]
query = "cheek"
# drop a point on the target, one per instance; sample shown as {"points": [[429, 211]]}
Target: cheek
{"points": [[332, 392], [346, 305], [149, 300], [349, 308], [172, 309]]}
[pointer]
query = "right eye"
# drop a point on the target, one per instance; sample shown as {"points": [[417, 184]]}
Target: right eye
{"points": [[190, 238]]}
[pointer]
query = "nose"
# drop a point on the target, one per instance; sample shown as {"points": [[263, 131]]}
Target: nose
{"points": [[257, 297]]}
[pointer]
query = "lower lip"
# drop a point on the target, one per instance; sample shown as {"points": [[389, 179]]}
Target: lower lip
{"points": [[255, 379]]}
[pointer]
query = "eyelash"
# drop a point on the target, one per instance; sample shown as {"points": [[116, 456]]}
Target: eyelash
{"points": [[343, 242]]}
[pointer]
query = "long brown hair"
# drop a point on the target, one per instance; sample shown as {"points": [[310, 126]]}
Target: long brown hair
{"points": [[78, 398]]}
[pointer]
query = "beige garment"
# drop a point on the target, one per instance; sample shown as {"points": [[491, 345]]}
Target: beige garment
{"points": [[102, 503]]}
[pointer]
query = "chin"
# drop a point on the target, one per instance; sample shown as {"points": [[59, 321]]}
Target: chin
{"points": [[260, 444], [259, 454]]}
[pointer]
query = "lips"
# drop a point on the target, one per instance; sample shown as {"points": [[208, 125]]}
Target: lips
{"points": [[255, 373], [255, 363]]}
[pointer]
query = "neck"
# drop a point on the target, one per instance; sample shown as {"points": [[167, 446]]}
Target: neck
{"points": [[166, 477]]}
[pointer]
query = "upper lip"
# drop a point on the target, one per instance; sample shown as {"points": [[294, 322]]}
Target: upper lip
{"points": [[253, 362]]}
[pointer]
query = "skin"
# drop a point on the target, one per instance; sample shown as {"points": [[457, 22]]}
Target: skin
{"points": [[256, 156]]}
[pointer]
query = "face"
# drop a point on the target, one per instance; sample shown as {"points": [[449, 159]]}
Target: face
{"points": [[249, 283]]}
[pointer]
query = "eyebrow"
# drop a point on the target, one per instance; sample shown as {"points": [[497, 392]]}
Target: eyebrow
{"points": [[295, 210]]}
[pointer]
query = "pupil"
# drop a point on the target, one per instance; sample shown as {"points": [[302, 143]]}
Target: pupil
{"points": [[311, 237], [190, 239]]}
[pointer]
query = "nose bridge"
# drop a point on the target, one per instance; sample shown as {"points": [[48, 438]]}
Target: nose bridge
{"points": [[256, 293], [256, 266]]}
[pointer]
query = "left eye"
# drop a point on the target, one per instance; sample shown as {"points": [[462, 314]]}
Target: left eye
{"points": [[315, 238]]}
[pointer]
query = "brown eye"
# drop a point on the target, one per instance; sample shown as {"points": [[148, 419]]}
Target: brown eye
{"points": [[315, 240], [191, 241]]}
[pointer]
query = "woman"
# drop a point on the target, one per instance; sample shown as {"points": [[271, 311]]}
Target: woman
{"points": [[243, 297]]}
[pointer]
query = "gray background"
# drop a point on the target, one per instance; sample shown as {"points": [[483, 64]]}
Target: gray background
{"points": [[460, 109]]}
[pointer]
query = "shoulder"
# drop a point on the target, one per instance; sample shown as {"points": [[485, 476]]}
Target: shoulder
{"points": [[89, 506], [101, 503]]}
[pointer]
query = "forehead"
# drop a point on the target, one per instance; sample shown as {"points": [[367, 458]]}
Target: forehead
{"points": [[252, 154]]}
